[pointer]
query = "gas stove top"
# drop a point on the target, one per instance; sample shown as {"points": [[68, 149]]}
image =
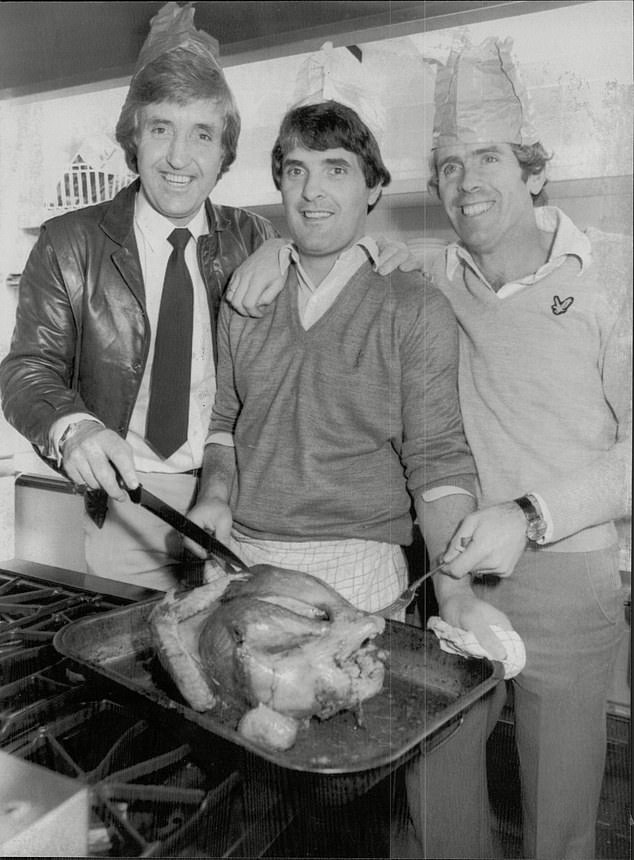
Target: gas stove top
{"points": [[157, 787], [153, 792], [35, 683]]}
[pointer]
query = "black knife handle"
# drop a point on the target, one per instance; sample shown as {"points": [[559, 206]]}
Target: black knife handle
{"points": [[135, 494]]}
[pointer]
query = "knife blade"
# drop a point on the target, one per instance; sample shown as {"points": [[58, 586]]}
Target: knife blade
{"points": [[185, 526]]}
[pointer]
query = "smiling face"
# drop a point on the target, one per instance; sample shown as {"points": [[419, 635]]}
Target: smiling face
{"points": [[485, 196], [179, 155], [326, 202]]}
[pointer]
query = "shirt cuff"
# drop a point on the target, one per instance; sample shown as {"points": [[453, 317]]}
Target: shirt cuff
{"points": [[439, 492], [546, 516], [59, 427], [220, 437]]}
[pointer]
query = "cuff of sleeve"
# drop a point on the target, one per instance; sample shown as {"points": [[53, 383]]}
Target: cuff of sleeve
{"points": [[220, 437], [546, 516], [462, 481], [59, 427], [440, 492]]}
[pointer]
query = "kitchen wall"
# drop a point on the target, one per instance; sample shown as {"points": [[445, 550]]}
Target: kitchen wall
{"points": [[576, 62]]}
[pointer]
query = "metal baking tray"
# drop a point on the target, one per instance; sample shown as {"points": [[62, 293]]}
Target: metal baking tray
{"points": [[424, 689]]}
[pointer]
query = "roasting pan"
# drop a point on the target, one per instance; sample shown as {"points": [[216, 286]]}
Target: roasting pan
{"points": [[424, 689]]}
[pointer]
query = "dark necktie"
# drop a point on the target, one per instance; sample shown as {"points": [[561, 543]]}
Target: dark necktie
{"points": [[168, 411]]}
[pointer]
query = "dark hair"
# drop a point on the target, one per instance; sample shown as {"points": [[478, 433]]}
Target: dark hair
{"points": [[179, 76], [330, 125], [532, 158]]}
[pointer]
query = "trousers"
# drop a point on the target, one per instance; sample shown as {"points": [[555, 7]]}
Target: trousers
{"points": [[449, 811], [134, 545], [568, 608]]}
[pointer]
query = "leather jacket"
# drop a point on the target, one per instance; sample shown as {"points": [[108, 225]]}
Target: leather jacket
{"points": [[81, 336]]}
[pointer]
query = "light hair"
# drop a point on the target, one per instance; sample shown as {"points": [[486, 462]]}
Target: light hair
{"points": [[179, 76]]}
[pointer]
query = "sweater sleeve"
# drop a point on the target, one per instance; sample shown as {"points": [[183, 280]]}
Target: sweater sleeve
{"points": [[434, 451], [226, 403], [602, 491]]}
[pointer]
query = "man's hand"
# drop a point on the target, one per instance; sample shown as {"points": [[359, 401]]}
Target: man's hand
{"points": [[212, 511], [91, 456], [490, 540], [464, 610], [214, 516], [394, 255], [257, 281]]}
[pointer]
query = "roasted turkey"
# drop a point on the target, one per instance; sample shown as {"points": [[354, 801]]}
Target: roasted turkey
{"points": [[280, 646]]}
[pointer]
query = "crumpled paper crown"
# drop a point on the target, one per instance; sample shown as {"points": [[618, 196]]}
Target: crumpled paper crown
{"points": [[336, 74], [481, 98], [173, 27]]}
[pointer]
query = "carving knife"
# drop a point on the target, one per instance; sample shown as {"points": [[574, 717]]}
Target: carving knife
{"points": [[174, 518]]}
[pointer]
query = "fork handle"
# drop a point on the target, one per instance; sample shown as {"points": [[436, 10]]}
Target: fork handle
{"points": [[418, 582], [406, 597]]}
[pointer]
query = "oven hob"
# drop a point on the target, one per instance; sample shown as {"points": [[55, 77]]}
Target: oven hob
{"points": [[154, 791], [149, 795]]}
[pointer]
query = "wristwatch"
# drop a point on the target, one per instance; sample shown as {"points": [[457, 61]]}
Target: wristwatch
{"points": [[535, 523]]}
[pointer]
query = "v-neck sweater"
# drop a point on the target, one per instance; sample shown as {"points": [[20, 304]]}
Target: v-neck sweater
{"points": [[545, 389], [338, 427]]}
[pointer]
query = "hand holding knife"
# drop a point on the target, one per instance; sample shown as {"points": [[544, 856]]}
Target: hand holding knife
{"points": [[185, 526], [227, 559]]}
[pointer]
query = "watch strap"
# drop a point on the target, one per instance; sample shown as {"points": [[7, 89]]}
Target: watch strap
{"points": [[535, 523]]}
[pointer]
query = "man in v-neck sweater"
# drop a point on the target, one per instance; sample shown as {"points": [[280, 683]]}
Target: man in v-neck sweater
{"points": [[343, 405], [341, 399]]}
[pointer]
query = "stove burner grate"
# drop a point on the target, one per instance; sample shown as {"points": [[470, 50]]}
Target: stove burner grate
{"points": [[149, 794], [156, 790]]}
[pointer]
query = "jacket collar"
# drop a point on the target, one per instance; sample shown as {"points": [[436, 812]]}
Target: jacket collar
{"points": [[216, 217], [118, 221]]}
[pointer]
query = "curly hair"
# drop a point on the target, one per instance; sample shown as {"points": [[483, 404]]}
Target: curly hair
{"points": [[330, 125], [179, 76], [532, 158]]}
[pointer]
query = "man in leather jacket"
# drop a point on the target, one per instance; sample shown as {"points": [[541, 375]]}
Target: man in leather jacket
{"points": [[76, 382]]}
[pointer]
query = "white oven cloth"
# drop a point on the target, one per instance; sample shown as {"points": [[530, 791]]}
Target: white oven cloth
{"points": [[453, 640]]}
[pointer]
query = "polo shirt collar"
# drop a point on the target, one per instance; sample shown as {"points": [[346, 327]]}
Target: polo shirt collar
{"points": [[569, 241]]}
